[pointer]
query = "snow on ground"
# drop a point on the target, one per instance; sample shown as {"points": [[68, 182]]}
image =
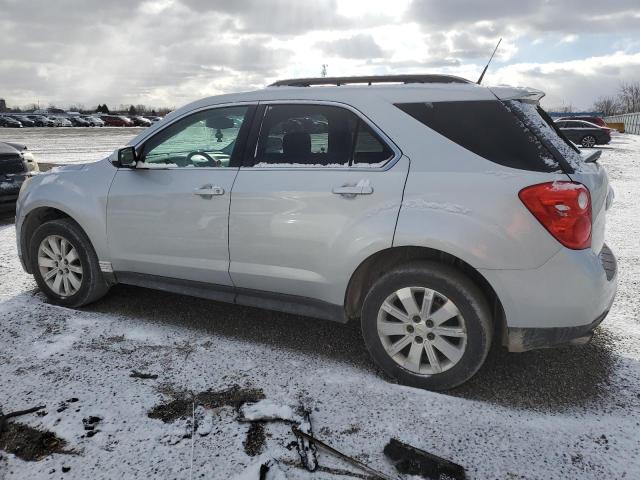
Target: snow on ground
{"points": [[563, 413]]}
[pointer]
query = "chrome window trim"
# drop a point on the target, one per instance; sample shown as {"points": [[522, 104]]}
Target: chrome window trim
{"points": [[397, 153], [151, 134]]}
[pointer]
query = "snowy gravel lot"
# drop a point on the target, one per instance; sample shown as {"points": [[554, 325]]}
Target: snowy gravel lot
{"points": [[563, 413]]}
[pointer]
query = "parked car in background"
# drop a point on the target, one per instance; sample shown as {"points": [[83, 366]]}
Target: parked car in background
{"points": [[28, 157], [77, 121], [26, 122], [41, 121], [14, 169], [584, 133], [597, 120], [397, 205], [153, 118], [93, 121], [6, 121], [116, 121], [140, 121], [61, 122]]}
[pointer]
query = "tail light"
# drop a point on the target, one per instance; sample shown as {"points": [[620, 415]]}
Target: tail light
{"points": [[564, 209]]}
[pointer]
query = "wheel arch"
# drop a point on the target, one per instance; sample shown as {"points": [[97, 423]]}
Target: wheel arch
{"points": [[32, 221], [382, 261]]}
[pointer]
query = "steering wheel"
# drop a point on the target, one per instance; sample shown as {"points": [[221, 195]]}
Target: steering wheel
{"points": [[211, 162]]}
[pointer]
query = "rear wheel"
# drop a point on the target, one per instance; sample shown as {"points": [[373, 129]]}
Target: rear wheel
{"points": [[65, 264], [427, 326], [588, 141]]}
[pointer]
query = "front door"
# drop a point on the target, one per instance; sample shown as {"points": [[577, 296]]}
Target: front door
{"points": [[169, 216]]}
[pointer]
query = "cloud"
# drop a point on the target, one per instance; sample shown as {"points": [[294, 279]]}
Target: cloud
{"points": [[358, 46], [169, 52]]}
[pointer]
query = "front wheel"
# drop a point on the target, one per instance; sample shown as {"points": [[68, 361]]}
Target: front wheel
{"points": [[427, 325], [589, 141], [65, 264]]}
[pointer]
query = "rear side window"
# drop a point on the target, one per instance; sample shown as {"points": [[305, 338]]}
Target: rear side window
{"points": [[312, 135], [488, 129]]}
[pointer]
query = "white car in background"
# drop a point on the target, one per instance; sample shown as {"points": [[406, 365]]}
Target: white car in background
{"points": [[60, 122]]}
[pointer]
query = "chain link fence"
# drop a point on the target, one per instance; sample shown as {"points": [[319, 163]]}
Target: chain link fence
{"points": [[631, 121]]}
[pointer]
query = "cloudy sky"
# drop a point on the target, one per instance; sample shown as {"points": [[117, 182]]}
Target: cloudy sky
{"points": [[169, 52]]}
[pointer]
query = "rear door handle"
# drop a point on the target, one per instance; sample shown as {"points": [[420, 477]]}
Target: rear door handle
{"points": [[361, 188], [208, 191]]}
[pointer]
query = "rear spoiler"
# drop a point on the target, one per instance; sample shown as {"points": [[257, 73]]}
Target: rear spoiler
{"points": [[593, 157], [525, 94]]}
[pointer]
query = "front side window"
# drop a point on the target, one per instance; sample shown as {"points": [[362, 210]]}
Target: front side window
{"points": [[308, 135], [204, 139]]}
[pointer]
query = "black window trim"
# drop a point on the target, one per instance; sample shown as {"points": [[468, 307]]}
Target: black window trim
{"points": [[242, 139], [256, 130]]}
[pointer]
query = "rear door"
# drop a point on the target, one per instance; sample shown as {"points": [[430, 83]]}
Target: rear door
{"points": [[319, 192]]}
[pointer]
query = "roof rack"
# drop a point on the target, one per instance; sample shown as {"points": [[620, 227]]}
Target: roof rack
{"points": [[307, 82]]}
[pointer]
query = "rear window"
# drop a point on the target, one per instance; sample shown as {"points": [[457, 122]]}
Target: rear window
{"points": [[539, 122], [488, 129]]}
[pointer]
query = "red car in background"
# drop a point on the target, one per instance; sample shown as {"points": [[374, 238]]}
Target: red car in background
{"points": [[116, 121], [597, 120]]}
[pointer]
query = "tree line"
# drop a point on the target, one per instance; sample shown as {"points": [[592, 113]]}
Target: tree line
{"points": [[627, 100], [139, 109]]}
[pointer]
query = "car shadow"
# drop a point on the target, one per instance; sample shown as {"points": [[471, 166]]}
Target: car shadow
{"points": [[553, 379], [544, 380]]}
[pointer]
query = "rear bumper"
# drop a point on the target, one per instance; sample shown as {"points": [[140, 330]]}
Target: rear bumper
{"points": [[558, 303], [524, 339]]}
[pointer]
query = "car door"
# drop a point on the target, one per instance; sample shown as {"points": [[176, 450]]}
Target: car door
{"points": [[169, 216], [319, 192]]}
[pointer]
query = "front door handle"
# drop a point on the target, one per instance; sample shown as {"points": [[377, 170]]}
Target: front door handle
{"points": [[363, 187], [208, 191]]}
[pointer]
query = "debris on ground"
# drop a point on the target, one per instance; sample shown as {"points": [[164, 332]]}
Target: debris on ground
{"points": [[144, 376], [254, 442], [413, 461], [28, 443], [316, 442], [182, 405], [267, 410], [306, 449], [90, 424], [262, 468]]}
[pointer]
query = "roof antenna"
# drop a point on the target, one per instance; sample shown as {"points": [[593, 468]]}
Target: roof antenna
{"points": [[487, 66]]}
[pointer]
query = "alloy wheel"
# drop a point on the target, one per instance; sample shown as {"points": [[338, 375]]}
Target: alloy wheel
{"points": [[588, 141], [60, 265], [422, 330]]}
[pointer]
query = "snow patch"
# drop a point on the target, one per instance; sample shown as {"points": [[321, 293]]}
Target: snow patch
{"points": [[268, 410]]}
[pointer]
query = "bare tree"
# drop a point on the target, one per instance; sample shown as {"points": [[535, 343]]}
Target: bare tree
{"points": [[607, 105], [564, 108], [629, 97]]}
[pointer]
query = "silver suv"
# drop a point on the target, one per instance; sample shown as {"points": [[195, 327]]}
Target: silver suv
{"points": [[445, 215]]}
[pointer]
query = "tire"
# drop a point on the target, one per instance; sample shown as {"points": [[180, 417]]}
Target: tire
{"points": [[473, 320], [588, 141], [92, 284]]}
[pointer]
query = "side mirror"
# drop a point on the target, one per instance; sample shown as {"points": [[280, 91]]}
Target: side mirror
{"points": [[127, 157]]}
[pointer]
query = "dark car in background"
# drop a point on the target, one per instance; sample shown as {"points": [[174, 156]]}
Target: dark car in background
{"points": [[140, 121], [597, 120], [584, 133], [9, 122], [116, 121], [41, 121], [26, 122], [14, 168], [79, 122]]}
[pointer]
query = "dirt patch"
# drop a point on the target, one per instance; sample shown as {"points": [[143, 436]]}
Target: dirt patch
{"points": [[29, 443], [182, 404], [254, 442]]}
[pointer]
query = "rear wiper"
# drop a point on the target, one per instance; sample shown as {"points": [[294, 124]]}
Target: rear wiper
{"points": [[593, 157]]}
